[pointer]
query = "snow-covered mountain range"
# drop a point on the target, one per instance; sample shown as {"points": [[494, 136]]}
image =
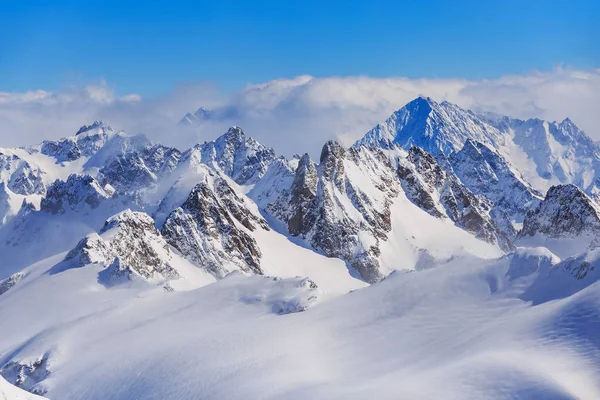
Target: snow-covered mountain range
{"points": [[167, 273]]}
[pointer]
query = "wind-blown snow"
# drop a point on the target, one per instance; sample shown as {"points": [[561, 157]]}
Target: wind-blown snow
{"points": [[456, 331]]}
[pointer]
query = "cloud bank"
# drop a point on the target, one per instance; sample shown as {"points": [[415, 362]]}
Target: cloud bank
{"points": [[299, 114]]}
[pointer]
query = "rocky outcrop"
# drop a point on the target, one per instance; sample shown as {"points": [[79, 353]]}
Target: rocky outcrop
{"points": [[10, 282], [486, 173], [240, 157], [27, 180], [128, 245], [19, 176], [442, 195], [565, 212], [27, 375], [87, 141], [303, 197], [327, 206], [211, 229], [77, 190], [135, 170]]}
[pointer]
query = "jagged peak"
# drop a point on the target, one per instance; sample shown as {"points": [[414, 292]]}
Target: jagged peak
{"points": [[472, 148], [422, 100], [95, 125], [567, 190], [235, 131], [203, 113], [304, 160], [77, 189], [566, 210], [130, 218], [332, 148]]}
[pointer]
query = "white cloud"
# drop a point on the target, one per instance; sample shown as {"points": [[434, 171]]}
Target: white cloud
{"points": [[299, 114]]}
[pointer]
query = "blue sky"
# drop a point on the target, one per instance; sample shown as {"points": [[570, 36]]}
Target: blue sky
{"points": [[148, 47]]}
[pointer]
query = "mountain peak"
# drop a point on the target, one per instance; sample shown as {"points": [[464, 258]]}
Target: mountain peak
{"points": [[235, 131], [95, 125], [331, 148], [566, 211], [437, 128], [202, 114]]}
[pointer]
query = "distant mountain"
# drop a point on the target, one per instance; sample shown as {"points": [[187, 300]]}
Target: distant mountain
{"points": [[201, 115], [545, 153]]}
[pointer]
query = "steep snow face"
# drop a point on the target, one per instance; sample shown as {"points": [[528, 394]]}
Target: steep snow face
{"points": [[436, 128], [561, 152], [486, 173], [240, 157], [212, 228], [441, 195], [70, 210], [279, 177], [565, 278], [11, 203]]}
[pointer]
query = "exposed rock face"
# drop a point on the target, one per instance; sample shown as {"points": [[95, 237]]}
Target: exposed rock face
{"points": [[486, 173], [129, 245], [27, 375], [136, 170], [559, 150], [128, 173], [11, 281], [77, 190], [19, 176], [566, 211], [240, 157], [64, 150], [303, 196], [26, 180], [326, 206], [205, 230], [440, 194]]}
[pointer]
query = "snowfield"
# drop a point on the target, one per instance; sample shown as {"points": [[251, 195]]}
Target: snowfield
{"points": [[461, 330], [446, 255]]}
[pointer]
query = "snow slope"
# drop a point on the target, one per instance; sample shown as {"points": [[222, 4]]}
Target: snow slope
{"points": [[9, 392], [457, 331]]}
